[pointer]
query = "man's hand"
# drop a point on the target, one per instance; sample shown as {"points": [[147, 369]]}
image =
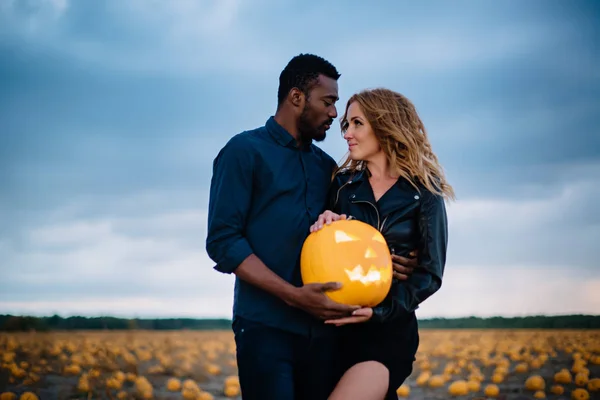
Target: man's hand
{"points": [[359, 316], [403, 267], [312, 299]]}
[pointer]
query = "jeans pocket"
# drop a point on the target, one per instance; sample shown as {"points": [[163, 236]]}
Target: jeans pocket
{"points": [[237, 326], [241, 326]]}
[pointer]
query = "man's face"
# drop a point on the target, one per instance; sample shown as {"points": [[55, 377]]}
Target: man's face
{"points": [[319, 110]]}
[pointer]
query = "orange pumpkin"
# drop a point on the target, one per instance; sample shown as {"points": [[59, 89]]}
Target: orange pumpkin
{"points": [[353, 253]]}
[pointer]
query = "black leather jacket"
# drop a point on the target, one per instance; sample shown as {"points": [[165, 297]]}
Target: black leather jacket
{"points": [[408, 220]]}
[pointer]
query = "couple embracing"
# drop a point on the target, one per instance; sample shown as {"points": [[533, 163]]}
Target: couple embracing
{"points": [[272, 186]]}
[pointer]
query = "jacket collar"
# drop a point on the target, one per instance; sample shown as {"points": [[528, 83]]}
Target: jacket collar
{"points": [[361, 187]]}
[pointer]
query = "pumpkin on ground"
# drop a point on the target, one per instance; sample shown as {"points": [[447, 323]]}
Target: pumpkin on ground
{"points": [[557, 390], [580, 394], [353, 253], [492, 390], [403, 391], [535, 383], [458, 388]]}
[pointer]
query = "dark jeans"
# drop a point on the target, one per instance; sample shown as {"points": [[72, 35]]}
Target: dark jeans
{"points": [[280, 365]]}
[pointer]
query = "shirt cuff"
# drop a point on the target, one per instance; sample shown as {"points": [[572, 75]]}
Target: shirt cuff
{"points": [[236, 254]]}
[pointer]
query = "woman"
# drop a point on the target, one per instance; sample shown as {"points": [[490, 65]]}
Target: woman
{"points": [[391, 180]]}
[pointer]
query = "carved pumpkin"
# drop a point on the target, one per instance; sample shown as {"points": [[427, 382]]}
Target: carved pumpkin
{"points": [[353, 253]]}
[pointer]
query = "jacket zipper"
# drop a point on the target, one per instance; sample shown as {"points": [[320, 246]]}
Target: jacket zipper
{"points": [[376, 210], [337, 195], [383, 224]]}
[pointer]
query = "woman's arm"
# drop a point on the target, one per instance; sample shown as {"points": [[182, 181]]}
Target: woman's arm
{"points": [[426, 279]]}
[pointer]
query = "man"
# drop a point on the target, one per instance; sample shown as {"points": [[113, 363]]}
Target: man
{"points": [[268, 186]]}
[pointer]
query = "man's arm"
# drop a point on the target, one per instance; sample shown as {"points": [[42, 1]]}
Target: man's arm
{"points": [[230, 198], [310, 298]]}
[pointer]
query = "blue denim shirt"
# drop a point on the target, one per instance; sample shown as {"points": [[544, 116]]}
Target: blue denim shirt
{"points": [[265, 193]]}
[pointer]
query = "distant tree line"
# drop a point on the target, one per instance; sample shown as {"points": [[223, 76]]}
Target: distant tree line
{"points": [[57, 323], [16, 323], [529, 322]]}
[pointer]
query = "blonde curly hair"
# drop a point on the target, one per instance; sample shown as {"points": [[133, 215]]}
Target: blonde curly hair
{"points": [[402, 137]]}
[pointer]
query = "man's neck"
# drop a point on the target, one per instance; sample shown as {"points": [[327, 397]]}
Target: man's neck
{"points": [[288, 123]]}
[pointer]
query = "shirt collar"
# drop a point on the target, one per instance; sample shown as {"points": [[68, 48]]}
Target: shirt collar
{"points": [[281, 135]]}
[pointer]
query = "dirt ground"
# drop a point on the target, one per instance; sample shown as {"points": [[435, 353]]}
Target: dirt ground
{"points": [[54, 365]]}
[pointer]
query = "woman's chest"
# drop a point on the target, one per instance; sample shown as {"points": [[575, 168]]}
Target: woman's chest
{"points": [[400, 224], [397, 222]]}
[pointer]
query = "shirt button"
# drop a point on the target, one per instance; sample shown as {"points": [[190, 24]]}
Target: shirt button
{"points": [[352, 196], [416, 197]]}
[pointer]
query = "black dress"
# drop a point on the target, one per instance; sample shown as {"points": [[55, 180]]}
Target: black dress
{"points": [[394, 346]]}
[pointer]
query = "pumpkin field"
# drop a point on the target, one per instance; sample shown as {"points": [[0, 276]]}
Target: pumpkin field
{"points": [[461, 364]]}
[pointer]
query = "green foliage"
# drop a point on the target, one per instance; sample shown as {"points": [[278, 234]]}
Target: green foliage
{"points": [[529, 322], [12, 323], [57, 323]]}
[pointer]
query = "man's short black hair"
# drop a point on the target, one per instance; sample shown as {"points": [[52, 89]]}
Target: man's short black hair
{"points": [[301, 72]]}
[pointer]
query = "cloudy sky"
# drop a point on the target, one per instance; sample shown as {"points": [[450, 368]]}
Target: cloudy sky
{"points": [[111, 113]]}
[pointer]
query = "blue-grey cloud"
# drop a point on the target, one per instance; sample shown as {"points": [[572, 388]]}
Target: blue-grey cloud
{"points": [[111, 113]]}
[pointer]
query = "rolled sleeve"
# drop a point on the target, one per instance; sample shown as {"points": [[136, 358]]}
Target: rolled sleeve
{"points": [[235, 254], [230, 197]]}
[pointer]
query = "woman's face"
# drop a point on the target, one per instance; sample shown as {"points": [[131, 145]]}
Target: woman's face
{"points": [[362, 142]]}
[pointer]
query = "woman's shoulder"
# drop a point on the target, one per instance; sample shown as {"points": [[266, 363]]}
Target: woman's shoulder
{"points": [[431, 200], [426, 190], [345, 175]]}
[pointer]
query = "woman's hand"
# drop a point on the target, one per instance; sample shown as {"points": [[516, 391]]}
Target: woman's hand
{"points": [[326, 218], [359, 316]]}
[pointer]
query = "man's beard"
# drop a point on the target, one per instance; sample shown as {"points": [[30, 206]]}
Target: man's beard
{"points": [[308, 132]]}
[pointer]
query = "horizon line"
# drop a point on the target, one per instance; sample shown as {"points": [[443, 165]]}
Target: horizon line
{"points": [[230, 317]]}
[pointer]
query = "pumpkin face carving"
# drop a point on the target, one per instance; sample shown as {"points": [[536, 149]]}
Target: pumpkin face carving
{"points": [[353, 253]]}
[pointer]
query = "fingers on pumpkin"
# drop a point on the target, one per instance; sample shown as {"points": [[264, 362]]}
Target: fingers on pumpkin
{"points": [[331, 286], [330, 218], [363, 312], [348, 320]]}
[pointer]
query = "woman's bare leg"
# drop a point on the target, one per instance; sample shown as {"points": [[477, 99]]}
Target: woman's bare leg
{"points": [[367, 380]]}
